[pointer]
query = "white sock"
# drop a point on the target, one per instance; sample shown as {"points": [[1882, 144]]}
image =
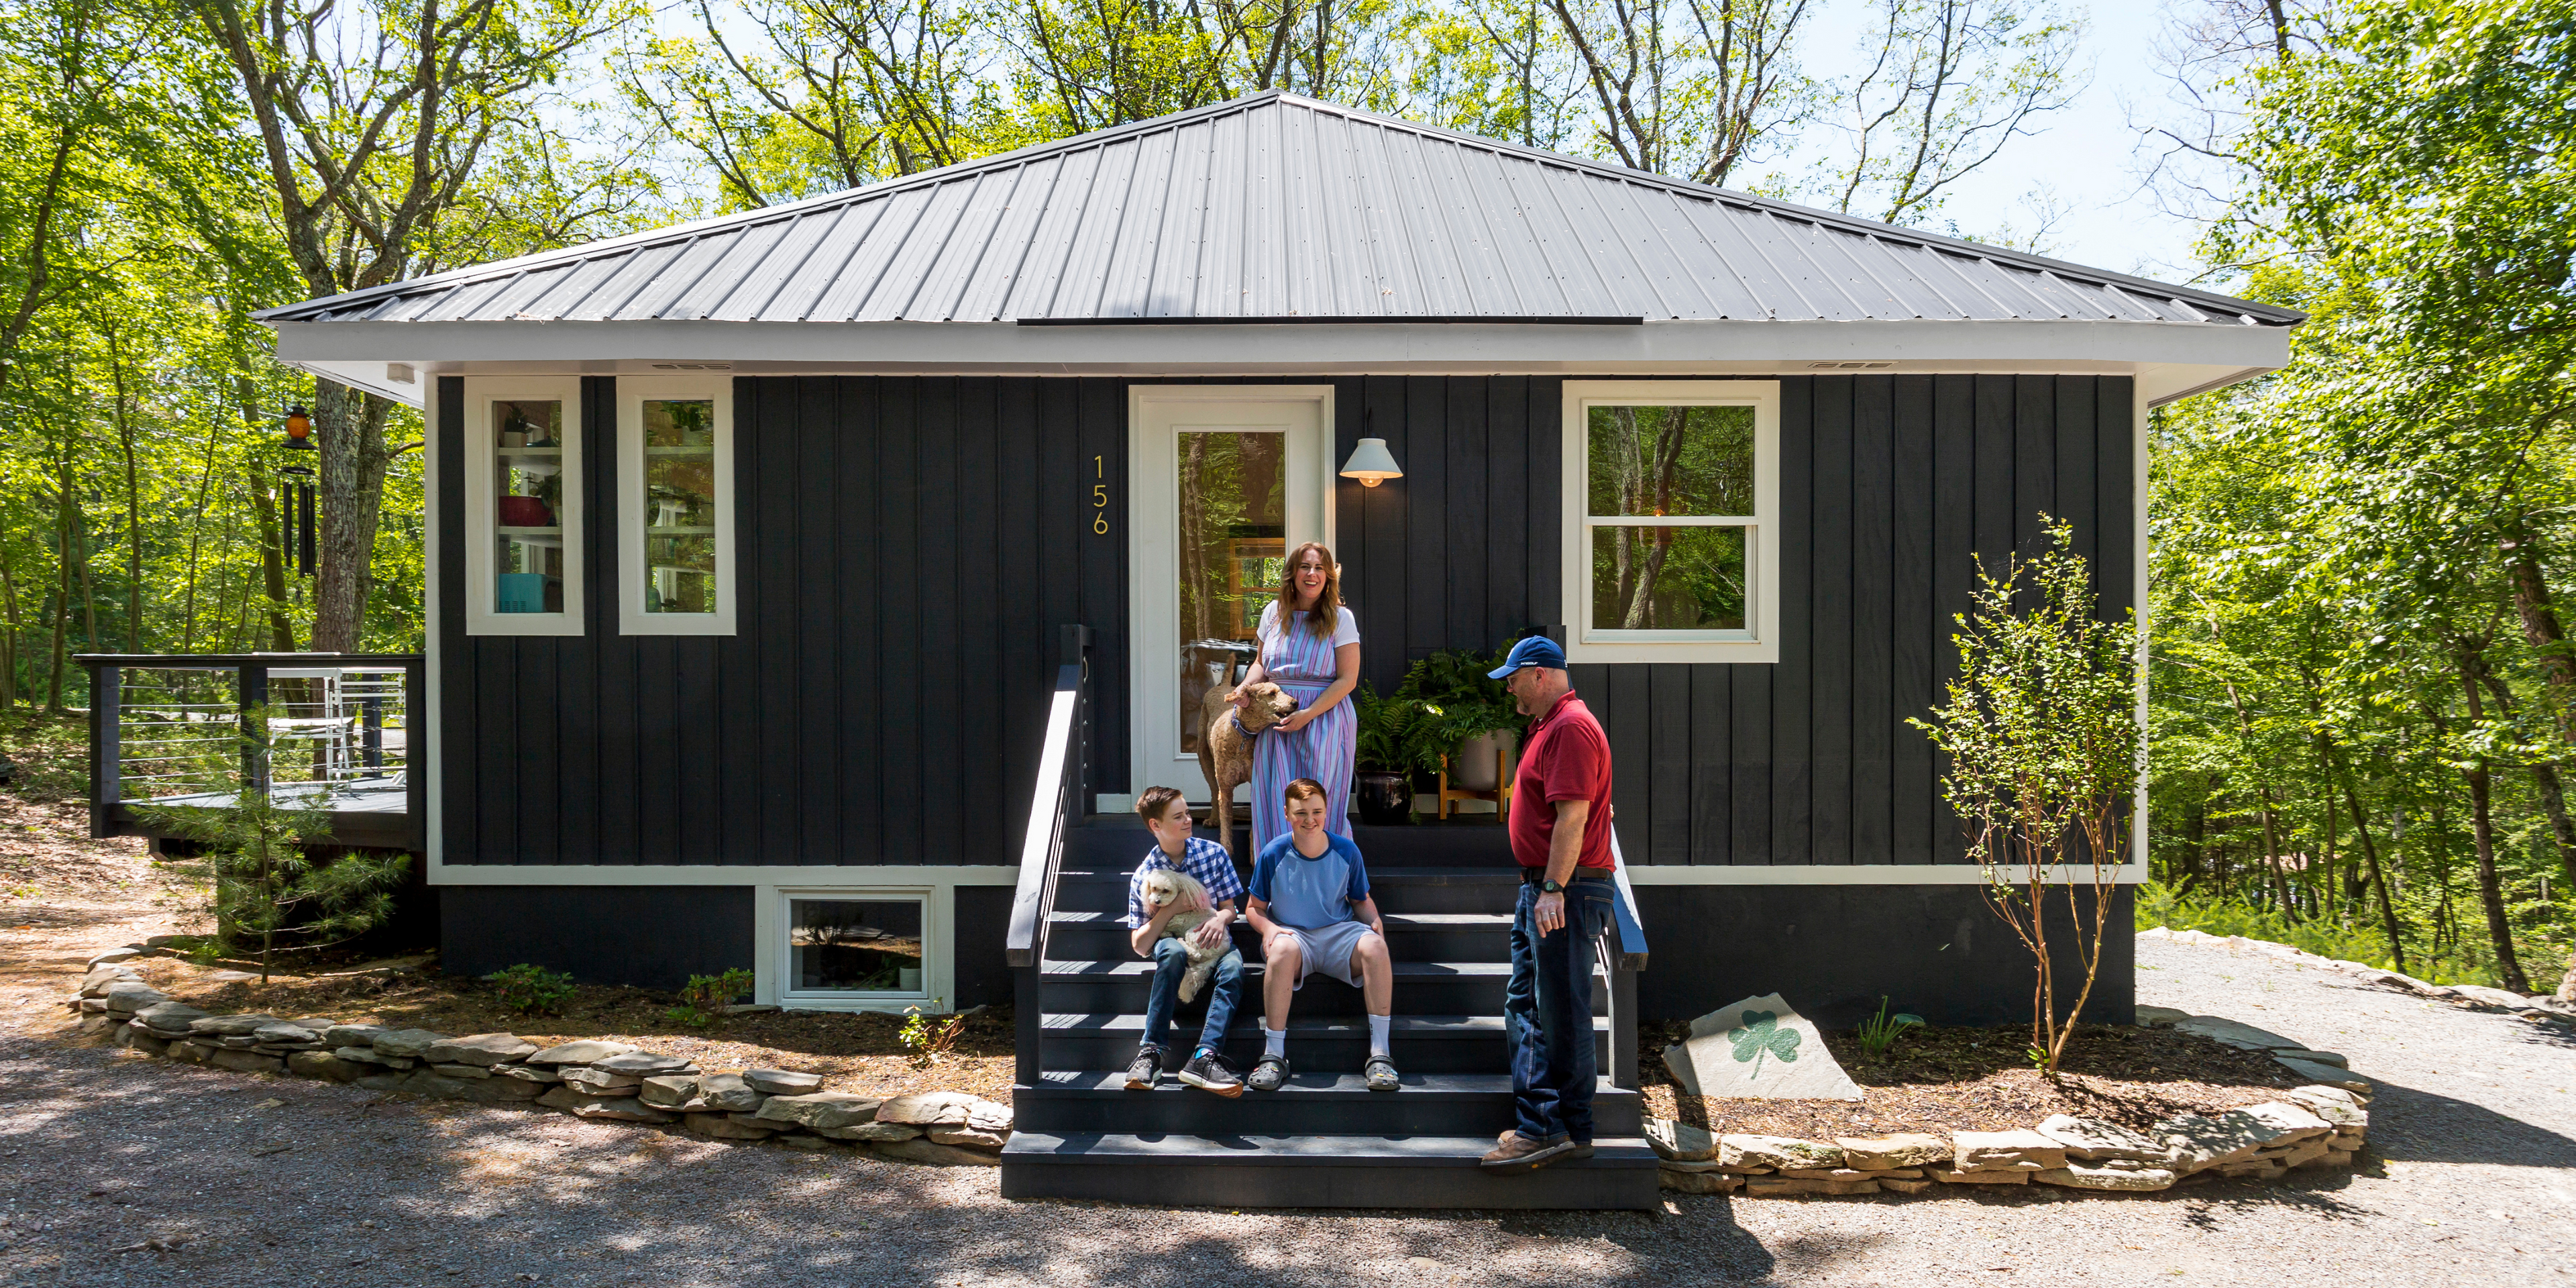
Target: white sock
{"points": [[1378, 1025], [1274, 1042]]}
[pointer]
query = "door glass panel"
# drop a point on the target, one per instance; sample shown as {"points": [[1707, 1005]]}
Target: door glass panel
{"points": [[1233, 526], [680, 505], [527, 450], [856, 945]]}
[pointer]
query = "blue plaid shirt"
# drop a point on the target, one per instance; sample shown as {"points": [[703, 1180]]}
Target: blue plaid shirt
{"points": [[1202, 859]]}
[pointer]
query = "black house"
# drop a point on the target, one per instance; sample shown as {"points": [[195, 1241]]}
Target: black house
{"points": [[768, 550]]}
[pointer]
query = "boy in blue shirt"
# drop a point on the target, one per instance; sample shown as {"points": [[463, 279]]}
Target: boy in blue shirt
{"points": [[1179, 848], [1311, 904]]}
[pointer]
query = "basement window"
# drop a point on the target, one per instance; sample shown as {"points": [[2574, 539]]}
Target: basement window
{"points": [[854, 946]]}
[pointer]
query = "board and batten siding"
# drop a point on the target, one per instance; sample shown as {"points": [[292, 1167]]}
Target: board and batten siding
{"points": [[907, 546]]}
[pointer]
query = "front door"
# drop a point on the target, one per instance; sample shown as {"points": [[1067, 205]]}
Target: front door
{"points": [[1224, 482]]}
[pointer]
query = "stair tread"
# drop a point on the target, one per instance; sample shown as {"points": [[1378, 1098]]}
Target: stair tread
{"points": [[1418, 1085], [1609, 1152], [1426, 920], [1248, 1024], [1509, 876], [1097, 968]]}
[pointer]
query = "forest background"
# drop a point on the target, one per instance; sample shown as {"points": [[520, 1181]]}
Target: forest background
{"points": [[2363, 699]]}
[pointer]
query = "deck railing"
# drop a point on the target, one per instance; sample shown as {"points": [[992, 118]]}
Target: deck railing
{"points": [[1062, 798], [167, 729], [1622, 949]]}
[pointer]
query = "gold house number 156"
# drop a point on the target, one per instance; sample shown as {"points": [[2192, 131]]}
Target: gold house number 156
{"points": [[1100, 497]]}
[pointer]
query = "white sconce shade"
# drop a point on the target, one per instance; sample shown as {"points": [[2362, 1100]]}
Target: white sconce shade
{"points": [[1371, 464]]}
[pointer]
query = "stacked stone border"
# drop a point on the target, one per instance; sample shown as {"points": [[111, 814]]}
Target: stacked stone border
{"points": [[2322, 1124], [597, 1079]]}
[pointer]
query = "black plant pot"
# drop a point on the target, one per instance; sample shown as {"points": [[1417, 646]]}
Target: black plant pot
{"points": [[1384, 796]]}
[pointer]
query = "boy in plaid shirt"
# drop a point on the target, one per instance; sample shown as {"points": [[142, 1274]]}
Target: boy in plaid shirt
{"points": [[1178, 847]]}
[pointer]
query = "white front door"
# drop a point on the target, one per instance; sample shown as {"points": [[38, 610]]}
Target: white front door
{"points": [[1223, 482]]}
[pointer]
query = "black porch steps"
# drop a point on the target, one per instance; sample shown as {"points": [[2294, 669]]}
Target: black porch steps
{"points": [[1423, 1043], [1431, 1104], [1316, 1171]]}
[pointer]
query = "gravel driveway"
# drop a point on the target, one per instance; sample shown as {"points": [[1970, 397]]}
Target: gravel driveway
{"points": [[2471, 1179]]}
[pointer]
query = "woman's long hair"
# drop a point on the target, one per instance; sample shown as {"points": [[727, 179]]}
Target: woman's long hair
{"points": [[1326, 615]]}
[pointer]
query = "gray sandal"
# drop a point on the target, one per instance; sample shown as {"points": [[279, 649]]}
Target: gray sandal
{"points": [[1381, 1074], [1267, 1075]]}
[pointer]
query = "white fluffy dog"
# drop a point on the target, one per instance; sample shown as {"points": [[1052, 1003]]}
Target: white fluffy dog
{"points": [[1164, 886]]}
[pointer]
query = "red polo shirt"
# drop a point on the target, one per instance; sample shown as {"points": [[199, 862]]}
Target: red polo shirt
{"points": [[1567, 759]]}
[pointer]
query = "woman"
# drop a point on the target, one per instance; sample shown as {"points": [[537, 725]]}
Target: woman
{"points": [[1310, 646]]}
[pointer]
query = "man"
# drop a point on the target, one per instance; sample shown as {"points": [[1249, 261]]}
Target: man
{"points": [[1560, 833]]}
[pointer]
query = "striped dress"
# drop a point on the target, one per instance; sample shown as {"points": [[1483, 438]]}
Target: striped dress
{"points": [[1301, 662]]}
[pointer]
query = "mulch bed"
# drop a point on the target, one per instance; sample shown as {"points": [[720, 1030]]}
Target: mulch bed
{"points": [[854, 1052], [1977, 1079]]}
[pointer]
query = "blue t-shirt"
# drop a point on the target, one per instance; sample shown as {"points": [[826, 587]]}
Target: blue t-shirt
{"points": [[1310, 894]]}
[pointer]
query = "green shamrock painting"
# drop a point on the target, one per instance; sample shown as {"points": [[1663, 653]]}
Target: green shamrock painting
{"points": [[1762, 1032]]}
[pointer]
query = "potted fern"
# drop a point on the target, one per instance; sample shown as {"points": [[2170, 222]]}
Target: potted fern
{"points": [[1473, 722]]}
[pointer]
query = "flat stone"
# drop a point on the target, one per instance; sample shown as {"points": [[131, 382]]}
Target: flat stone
{"points": [[115, 955], [782, 1082], [2094, 1140], [141, 1040], [1903, 1185], [169, 1019], [1832, 1174], [1953, 1176], [674, 1092], [1888, 1153], [730, 1092], [581, 1052], [247, 1062], [923, 1151], [969, 1137], [2160, 1017], [358, 1035], [240, 1043], [2294, 1122], [2330, 1059], [2201, 1141], [525, 1073], [369, 1055], [1974, 1151], [871, 1131], [2244, 1037], [2317, 1093], [460, 1071], [485, 1049], [188, 1052], [1698, 1182], [626, 1109], [2327, 1075], [231, 1025], [728, 1127], [1739, 1151], [2077, 1176], [2261, 1169], [323, 1064], [99, 979], [810, 1144], [1759, 1048], [1679, 1141], [483, 1090], [643, 1064], [287, 1034], [91, 1005], [412, 1044], [596, 1080], [128, 996], [231, 977], [2485, 996], [2314, 1151], [825, 1109], [929, 1109], [987, 1115], [2343, 1116]]}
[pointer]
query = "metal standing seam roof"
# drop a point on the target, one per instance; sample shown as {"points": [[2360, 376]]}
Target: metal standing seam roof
{"points": [[1280, 208]]}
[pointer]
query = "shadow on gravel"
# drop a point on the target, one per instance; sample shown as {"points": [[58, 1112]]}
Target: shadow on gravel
{"points": [[2411, 1125]]}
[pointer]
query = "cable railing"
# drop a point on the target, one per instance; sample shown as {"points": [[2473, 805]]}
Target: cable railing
{"points": [[1062, 798], [326, 731]]}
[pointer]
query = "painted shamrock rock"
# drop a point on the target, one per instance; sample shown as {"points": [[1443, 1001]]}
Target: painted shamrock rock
{"points": [[1758, 1048]]}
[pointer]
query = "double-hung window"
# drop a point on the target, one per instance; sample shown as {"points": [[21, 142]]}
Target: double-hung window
{"points": [[1671, 492], [523, 555], [675, 505]]}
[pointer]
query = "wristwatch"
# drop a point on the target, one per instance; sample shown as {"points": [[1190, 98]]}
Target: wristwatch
{"points": [[1551, 887]]}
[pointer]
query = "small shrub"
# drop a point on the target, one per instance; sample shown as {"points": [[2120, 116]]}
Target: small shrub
{"points": [[704, 996], [930, 1037], [532, 990], [1880, 1032]]}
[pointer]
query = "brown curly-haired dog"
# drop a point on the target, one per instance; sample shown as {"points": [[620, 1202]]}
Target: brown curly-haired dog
{"points": [[1225, 750]]}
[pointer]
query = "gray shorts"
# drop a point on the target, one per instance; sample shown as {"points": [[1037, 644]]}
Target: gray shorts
{"points": [[1328, 951]]}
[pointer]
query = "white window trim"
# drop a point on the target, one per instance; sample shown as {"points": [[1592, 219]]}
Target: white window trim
{"points": [[1759, 641], [480, 393], [777, 959], [632, 392]]}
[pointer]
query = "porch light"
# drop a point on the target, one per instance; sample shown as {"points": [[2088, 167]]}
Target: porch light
{"points": [[1371, 464], [299, 429]]}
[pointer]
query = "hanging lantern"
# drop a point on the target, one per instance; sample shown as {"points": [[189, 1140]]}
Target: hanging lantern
{"points": [[299, 429]]}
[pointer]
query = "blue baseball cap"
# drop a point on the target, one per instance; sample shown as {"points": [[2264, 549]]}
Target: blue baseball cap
{"points": [[1537, 650]]}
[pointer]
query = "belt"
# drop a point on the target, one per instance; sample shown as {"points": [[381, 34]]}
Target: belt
{"points": [[1534, 876]]}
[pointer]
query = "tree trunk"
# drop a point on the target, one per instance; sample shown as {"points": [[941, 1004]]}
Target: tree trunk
{"points": [[351, 428], [133, 507], [2540, 626], [2482, 829], [2369, 855], [2544, 776], [63, 587]]}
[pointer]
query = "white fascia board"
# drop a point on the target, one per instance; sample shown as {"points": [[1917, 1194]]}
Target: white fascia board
{"points": [[606, 348]]}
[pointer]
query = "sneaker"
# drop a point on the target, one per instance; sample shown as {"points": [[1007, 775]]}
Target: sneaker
{"points": [[1575, 1149], [1267, 1075], [1518, 1154], [1145, 1070], [1381, 1074], [1207, 1071], [1506, 1138]]}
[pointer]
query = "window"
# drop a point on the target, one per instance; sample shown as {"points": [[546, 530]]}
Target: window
{"points": [[675, 511], [523, 505], [854, 947], [1670, 486]]}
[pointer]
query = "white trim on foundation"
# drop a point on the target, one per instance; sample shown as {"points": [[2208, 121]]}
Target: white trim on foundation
{"points": [[938, 947]]}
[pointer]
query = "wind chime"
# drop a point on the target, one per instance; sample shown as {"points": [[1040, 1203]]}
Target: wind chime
{"points": [[295, 496]]}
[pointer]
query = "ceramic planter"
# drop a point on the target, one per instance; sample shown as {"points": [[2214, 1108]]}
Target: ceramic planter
{"points": [[1383, 796], [1474, 763]]}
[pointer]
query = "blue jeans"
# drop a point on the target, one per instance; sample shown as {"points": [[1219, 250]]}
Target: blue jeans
{"points": [[1171, 962], [1547, 1014]]}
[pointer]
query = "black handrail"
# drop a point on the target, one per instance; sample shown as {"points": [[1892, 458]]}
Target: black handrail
{"points": [[1060, 800]]}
